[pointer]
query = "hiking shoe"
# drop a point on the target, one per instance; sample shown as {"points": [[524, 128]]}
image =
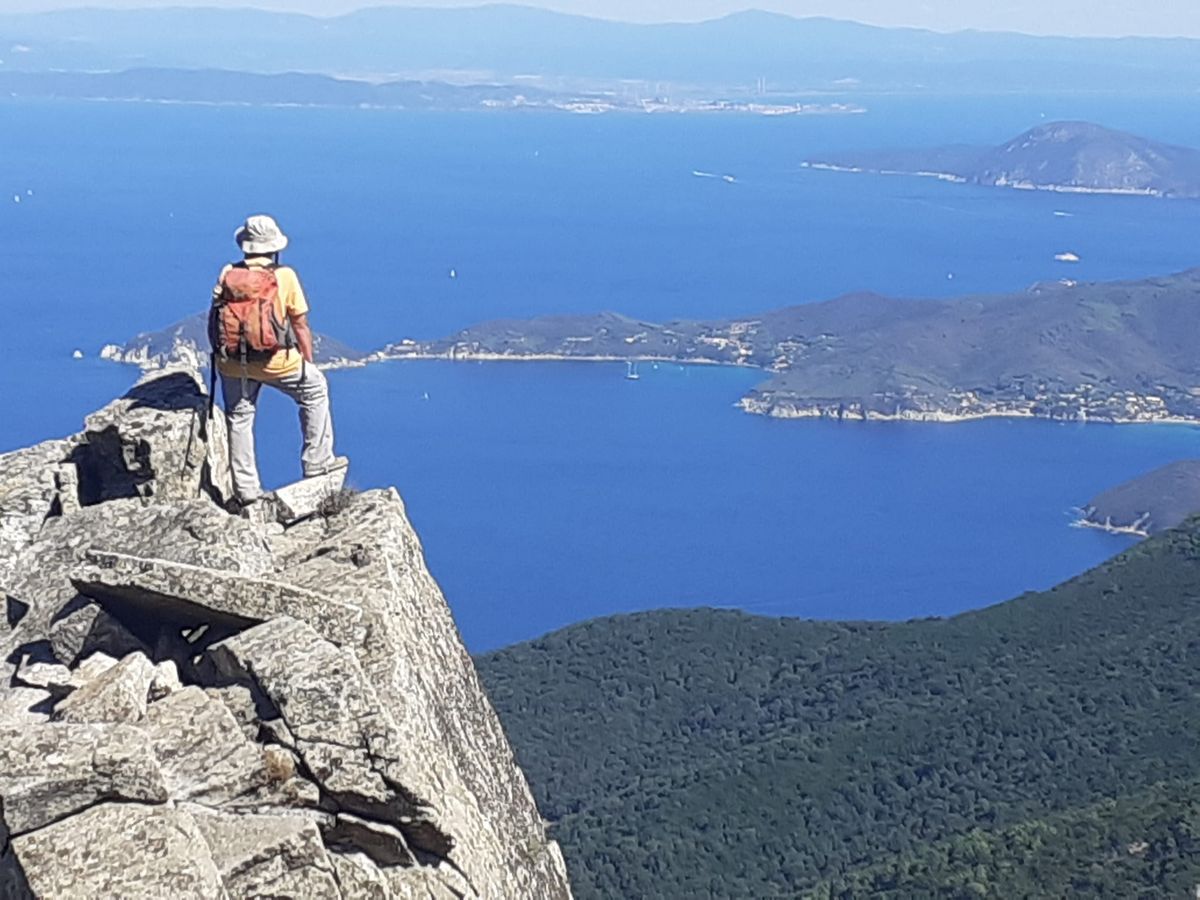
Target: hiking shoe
{"points": [[334, 465], [237, 506]]}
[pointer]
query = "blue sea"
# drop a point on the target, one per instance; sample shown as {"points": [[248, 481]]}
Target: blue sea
{"points": [[549, 493]]}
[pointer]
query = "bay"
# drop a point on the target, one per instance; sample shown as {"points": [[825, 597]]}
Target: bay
{"points": [[550, 493]]}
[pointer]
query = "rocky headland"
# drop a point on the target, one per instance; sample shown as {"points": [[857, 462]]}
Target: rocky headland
{"points": [[197, 705], [1114, 352], [1065, 157], [1149, 504]]}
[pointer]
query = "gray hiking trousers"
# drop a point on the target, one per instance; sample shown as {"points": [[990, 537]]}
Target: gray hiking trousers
{"points": [[310, 390]]}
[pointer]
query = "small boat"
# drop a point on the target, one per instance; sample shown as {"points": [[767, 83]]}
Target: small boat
{"points": [[631, 371], [1067, 257]]}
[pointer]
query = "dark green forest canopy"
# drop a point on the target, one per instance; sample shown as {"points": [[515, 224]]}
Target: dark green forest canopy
{"points": [[712, 753]]}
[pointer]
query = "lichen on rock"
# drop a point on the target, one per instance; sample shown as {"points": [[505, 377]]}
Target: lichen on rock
{"points": [[193, 704]]}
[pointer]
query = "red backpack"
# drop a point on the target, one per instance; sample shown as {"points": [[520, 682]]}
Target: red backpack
{"points": [[243, 323]]}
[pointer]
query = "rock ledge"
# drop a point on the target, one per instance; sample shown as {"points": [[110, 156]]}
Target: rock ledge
{"points": [[197, 705]]}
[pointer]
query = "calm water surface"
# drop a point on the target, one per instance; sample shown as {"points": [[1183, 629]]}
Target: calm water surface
{"points": [[547, 494]]}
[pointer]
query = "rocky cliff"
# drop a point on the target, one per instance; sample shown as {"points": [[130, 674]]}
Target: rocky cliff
{"points": [[196, 705]]}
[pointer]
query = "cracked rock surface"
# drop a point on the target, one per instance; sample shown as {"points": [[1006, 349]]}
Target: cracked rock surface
{"points": [[196, 705]]}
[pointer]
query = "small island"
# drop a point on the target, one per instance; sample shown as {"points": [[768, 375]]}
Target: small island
{"points": [[1066, 157], [1119, 352]]}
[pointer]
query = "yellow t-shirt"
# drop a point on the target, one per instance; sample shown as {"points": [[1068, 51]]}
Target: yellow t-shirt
{"points": [[290, 302]]}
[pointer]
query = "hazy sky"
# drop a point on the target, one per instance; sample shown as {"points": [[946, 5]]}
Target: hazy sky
{"points": [[1076, 17]]}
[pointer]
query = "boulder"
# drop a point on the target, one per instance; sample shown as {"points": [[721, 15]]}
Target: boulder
{"points": [[191, 595], [268, 856], [306, 497], [120, 694], [156, 441], [201, 750], [54, 770], [126, 850], [194, 532], [205, 757], [342, 733]]}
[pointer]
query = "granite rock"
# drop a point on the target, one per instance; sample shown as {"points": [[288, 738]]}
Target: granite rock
{"points": [[306, 498], [118, 695], [203, 754], [127, 850], [156, 441], [341, 732], [292, 714], [21, 706], [54, 770], [268, 856], [360, 878]]}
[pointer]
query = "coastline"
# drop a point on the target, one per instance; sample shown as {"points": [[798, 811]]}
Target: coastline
{"points": [[751, 405], [474, 356], [1012, 185], [1108, 528], [943, 417], [579, 106]]}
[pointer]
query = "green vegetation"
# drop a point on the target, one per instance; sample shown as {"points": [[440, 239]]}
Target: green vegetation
{"points": [[1147, 845], [1105, 351], [711, 753]]}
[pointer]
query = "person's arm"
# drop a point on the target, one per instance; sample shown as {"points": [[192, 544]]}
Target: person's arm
{"points": [[304, 338], [296, 305]]}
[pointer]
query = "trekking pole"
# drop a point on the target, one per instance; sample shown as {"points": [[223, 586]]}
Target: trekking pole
{"points": [[212, 393]]}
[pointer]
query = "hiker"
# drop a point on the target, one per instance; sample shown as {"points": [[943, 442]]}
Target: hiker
{"points": [[260, 335]]}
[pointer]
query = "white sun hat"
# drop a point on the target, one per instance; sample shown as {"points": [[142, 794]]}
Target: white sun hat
{"points": [[260, 234]]}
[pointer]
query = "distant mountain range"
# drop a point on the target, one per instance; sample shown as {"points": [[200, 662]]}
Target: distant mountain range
{"points": [[1110, 352], [1044, 747], [1060, 156], [550, 50]]}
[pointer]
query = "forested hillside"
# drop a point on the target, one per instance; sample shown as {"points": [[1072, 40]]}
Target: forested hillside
{"points": [[710, 753]]}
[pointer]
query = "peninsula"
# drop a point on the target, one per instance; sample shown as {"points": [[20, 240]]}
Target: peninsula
{"points": [[1066, 157], [219, 87], [1149, 504], [1109, 352]]}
